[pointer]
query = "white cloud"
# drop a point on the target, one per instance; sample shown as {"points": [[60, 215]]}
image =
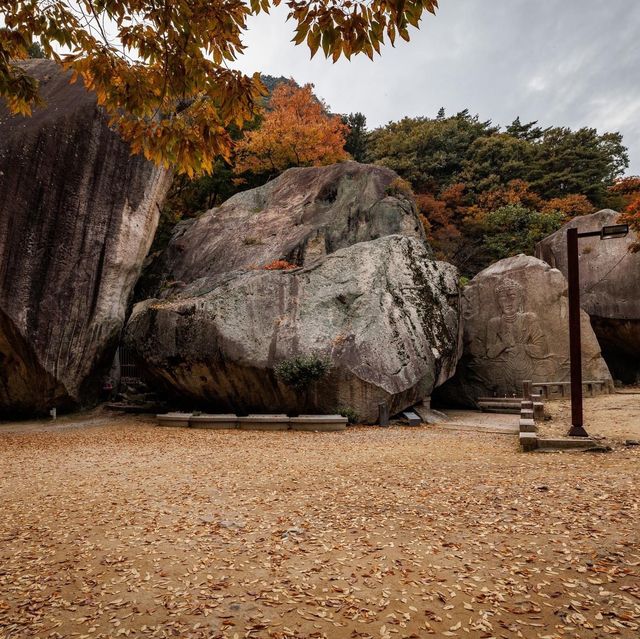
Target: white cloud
{"points": [[562, 62]]}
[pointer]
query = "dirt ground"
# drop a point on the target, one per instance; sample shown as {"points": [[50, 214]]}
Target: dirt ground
{"points": [[613, 417], [115, 527]]}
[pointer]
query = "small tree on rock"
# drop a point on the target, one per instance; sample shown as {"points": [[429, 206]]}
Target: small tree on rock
{"points": [[296, 131]]}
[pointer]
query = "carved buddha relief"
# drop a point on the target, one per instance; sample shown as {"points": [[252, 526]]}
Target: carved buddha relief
{"points": [[515, 343]]}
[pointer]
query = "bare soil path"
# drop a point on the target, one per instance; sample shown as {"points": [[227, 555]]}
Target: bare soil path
{"points": [[127, 529], [615, 417]]}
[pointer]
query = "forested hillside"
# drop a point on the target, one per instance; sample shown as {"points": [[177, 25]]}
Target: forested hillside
{"points": [[487, 192], [484, 191]]}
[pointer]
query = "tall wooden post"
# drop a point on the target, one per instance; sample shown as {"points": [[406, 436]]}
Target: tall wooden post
{"points": [[575, 342]]}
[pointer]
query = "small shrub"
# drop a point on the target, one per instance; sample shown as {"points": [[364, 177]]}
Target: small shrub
{"points": [[463, 281], [399, 188], [352, 416], [298, 372], [279, 265], [251, 241]]}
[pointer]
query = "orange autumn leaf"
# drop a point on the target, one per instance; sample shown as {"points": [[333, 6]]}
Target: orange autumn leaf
{"points": [[296, 131]]}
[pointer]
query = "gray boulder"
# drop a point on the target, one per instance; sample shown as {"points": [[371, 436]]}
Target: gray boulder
{"points": [[383, 312], [77, 216], [300, 216], [610, 288], [515, 316]]}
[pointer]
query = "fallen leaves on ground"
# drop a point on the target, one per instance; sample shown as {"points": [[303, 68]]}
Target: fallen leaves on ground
{"points": [[130, 530]]}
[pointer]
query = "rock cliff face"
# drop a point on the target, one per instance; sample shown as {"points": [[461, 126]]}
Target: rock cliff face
{"points": [[365, 294], [77, 216], [515, 316], [610, 288]]}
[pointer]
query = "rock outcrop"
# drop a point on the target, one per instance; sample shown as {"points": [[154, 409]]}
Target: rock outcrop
{"points": [[77, 216], [610, 288], [300, 216], [361, 290], [515, 316]]}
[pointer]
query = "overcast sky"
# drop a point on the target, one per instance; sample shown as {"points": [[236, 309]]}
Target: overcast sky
{"points": [[561, 62]]}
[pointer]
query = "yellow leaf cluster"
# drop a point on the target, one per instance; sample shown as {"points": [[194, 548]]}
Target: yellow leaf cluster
{"points": [[159, 68]]}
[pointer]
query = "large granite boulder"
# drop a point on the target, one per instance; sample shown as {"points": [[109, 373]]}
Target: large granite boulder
{"points": [[324, 262], [77, 216], [610, 288], [302, 215], [515, 317], [383, 312]]}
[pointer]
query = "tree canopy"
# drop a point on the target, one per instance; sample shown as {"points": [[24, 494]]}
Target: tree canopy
{"points": [[296, 131], [486, 192], [160, 67]]}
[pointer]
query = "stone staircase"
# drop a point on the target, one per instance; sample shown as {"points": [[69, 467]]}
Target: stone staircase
{"points": [[509, 405]]}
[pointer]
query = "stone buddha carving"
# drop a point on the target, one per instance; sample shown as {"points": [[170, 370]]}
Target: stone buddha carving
{"points": [[514, 340]]}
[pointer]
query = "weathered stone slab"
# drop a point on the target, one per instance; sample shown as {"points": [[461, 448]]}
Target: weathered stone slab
{"points": [[174, 419], [429, 415], [610, 288], [515, 329], [320, 423], [566, 443], [412, 418], [264, 422], [214, 421]]}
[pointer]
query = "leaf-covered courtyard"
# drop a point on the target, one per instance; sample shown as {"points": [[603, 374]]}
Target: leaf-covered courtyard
{"points": [[115, 527]]}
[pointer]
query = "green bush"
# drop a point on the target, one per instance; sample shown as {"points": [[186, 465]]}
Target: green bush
{"points": [[300, 371], [515, 229], [352, 416]]}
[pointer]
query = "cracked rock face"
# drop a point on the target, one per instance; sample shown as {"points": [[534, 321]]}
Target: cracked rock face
{"points": [[300, 216], [366, 294], [515, 316], [77, 217], [610, 288]]}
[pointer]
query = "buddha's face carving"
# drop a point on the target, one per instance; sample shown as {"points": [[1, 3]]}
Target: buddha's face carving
{"points": [[510, 297]]}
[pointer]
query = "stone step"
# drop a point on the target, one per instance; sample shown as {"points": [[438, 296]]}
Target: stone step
{"points": [[528, 441], [514, 400], [527, 425], [264, 422], [412, 418], [499, 407], [220, 421], [495, 429], [174, 419], [565, 443], [318, 423]]}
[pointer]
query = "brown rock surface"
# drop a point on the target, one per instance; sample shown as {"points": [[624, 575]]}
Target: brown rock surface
{"points": [[77, 216], [515, 316], [384, 313], [610, 288]]}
